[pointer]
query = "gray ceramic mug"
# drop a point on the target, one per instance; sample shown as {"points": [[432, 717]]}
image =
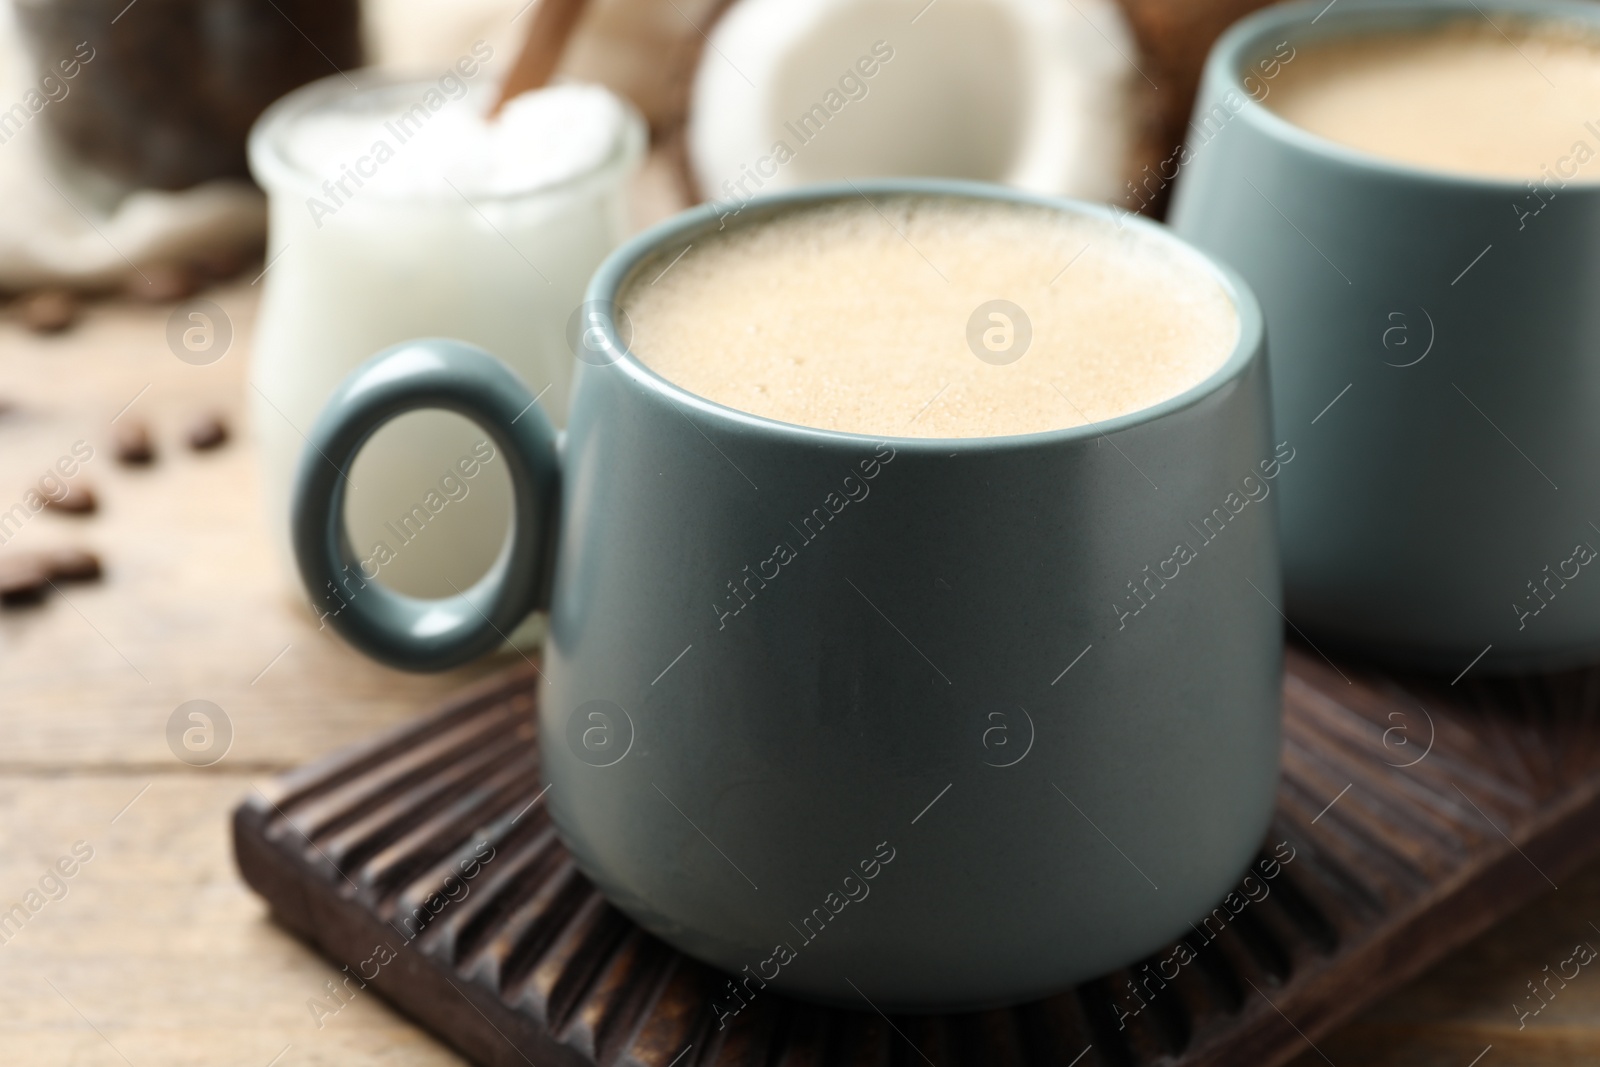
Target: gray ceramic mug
{"points": [[1434, 345], [935, 723]]}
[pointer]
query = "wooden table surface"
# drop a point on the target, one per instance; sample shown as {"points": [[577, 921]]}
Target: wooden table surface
{"points": [[157, 955]]}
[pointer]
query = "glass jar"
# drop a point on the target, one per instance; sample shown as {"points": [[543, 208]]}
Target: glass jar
{"points": [[162, 94], [359, 260]]}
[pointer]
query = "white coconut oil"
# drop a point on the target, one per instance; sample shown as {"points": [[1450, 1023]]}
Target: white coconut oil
{"points": [[397, 211]]}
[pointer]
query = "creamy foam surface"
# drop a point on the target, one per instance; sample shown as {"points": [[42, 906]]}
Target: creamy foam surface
{"points": [[1466, 96], [853, 316]]}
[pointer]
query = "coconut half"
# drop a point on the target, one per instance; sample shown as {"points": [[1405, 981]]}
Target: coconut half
{"points": [[1044, 95]]}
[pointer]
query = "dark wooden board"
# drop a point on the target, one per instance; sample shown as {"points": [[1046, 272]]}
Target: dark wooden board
{"points": [[1419, 812]]}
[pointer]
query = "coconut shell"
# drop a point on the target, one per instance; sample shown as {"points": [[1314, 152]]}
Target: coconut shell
{"points": [[647, 50]]}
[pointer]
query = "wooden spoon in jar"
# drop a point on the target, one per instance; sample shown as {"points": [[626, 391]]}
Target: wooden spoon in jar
{"points": [[552, 25]]}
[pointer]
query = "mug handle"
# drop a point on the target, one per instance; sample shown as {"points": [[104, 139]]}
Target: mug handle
{"points": [[408, 632]]}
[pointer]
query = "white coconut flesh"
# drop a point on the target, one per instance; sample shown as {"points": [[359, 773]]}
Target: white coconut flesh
{"points": [[1040, 94]]}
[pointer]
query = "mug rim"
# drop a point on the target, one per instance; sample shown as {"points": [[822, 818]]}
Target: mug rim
{"points": [[1243, 41], [619, 268]]}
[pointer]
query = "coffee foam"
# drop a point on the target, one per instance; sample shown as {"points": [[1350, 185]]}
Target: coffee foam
{"points": [[854, 316], [1503, 101]]}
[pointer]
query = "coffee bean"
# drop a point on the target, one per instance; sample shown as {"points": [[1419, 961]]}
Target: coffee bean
{"points": [[220, 264], [24, 579], [71, 564], [132, 443], [73, 497], [164, 283], [207, 432], [48, 310]]}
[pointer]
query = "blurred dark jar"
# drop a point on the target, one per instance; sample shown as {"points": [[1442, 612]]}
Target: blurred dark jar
{"points": [[173, 86]]}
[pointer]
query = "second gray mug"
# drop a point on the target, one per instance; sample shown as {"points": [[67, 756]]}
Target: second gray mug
{"points": [[1435, 351], [920, 723]]}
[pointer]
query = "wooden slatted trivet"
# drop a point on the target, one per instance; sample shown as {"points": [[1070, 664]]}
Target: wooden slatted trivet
{"points": [[1393, 866]]}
